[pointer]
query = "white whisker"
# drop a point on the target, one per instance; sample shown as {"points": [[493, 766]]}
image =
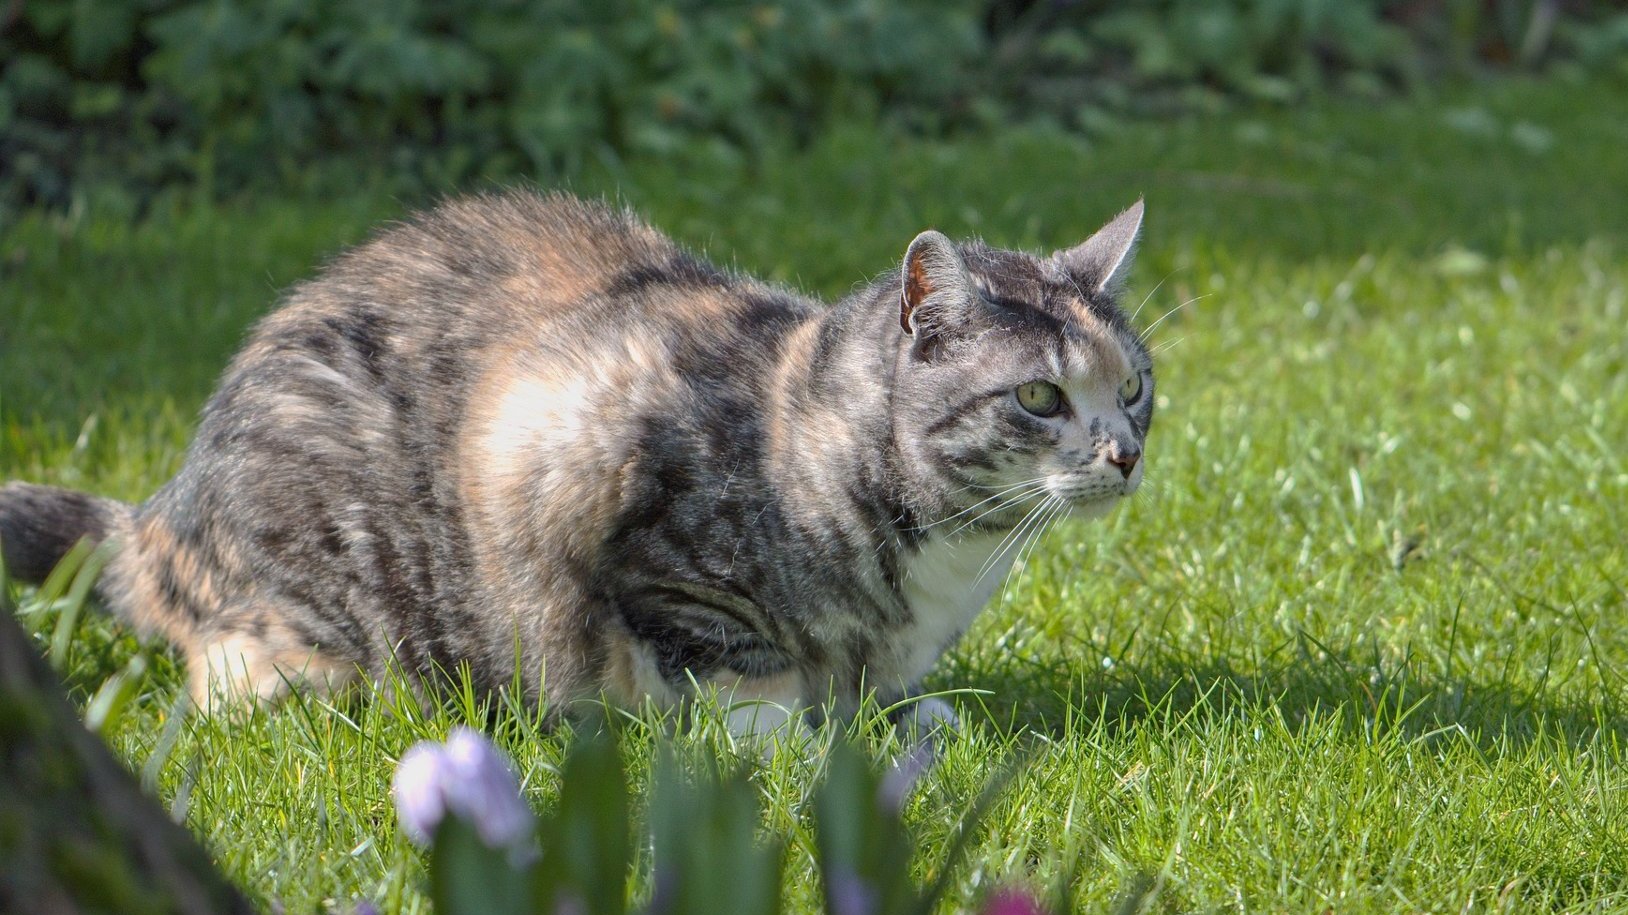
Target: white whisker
{"points": [[1164, 346], [1058, 508], [1149, 297], [1012, 538], [1149, 330], [1017, 500]]}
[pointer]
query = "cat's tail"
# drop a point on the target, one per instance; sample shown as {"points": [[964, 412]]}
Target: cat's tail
{"points": [[39, 524]]}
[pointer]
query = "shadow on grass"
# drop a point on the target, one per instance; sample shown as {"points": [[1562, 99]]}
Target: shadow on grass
{"points": [[1366, 693]]}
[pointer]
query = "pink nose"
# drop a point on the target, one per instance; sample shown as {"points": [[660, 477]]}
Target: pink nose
{"points": [[1125, 461]]}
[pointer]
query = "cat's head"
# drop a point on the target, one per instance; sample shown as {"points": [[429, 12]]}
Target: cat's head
{"points": [[1020, 378]]}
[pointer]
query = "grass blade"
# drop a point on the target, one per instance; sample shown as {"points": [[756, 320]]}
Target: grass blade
{"points": [[107, 706], [83, 580]]}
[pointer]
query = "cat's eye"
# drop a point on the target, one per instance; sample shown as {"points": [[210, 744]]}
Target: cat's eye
{"points": [[1130, 391], [1042, 398]]}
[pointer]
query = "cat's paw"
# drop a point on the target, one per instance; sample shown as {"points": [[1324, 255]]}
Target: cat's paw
{"points": [[928, 718]]}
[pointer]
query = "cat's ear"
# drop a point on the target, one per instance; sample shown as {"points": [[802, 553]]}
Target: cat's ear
{"points": [[1101, 262], [936, 288]]}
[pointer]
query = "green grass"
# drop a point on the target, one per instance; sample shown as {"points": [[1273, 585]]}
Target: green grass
{"points": [[1360, 646]]}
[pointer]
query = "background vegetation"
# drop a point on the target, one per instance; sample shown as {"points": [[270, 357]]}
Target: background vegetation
{"points": [[123, 99], [1361, 644]]}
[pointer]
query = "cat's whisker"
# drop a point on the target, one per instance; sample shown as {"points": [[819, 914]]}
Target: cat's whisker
{"points": [[1151, 491], [1012, 538], [1149, 297], [1012, 573], [1009, 489], [1000, 549], [1022, 490], [1149, 330], [966, 486], [990, 511], [1164, 346], [1035, 536], [1058, 508]]}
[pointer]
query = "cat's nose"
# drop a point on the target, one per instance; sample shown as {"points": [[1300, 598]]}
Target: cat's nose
{"points": [[1125, 461]]}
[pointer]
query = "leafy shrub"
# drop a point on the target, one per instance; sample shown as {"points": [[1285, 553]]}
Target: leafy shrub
{"points": [[227, 92], [1086, 62], [222, 94]]}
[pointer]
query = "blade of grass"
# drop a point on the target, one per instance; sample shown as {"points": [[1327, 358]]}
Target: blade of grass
{"points": [[84, 579], [107, 706]]}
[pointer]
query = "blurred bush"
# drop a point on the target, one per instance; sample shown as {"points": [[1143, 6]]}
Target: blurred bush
{"points": [[1087, 62], [215, 95], [225, 93]]}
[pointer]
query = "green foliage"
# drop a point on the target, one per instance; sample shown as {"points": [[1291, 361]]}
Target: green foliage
{"points": [[76, 833], [702, 819], [1087, 63], [226, 93], [128, 98], [469, 877]]}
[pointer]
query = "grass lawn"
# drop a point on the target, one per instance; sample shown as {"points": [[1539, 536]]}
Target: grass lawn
{"points": [[1360, 645]]}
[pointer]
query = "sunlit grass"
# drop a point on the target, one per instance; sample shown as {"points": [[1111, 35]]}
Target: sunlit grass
{"points": [[1360, 645]]}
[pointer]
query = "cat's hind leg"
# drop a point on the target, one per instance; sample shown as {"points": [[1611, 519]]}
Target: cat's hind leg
{"points": [[238, 644], [260, 664]]}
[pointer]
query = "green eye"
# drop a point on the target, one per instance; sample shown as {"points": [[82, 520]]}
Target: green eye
{"points": [[1131, 390], [1042, 398]]}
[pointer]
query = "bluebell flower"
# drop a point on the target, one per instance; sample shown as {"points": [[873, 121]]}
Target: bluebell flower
{"points": [[894, 789], [849, 894], [468, 778], [1013, 902]]}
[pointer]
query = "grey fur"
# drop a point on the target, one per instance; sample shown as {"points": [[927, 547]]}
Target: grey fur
{"points": [[530, 430], [39, 524], [1104, 259]]}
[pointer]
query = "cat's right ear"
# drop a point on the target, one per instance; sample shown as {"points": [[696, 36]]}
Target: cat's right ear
{"points": [[936, 287], [1101, 261]]}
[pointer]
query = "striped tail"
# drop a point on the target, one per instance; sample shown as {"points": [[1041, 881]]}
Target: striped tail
{"points": [[39, 524]]}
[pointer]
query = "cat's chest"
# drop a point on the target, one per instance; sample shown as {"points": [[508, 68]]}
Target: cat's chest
{"points": [[945, 584]]}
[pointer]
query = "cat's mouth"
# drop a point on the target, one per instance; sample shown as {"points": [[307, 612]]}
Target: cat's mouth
{"points": [[1095, 505], [1093, 498], [1092, 489]]}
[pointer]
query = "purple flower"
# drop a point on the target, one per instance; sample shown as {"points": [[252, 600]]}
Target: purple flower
{"points": [[850, 894], [1013, 902], [468, 778], [417, 789], [897, 783]]}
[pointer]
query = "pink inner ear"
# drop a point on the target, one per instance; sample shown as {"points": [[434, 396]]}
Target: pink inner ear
{"points": [[916, 288]]}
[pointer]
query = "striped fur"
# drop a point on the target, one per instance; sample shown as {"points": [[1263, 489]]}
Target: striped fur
{"points": [[529, 430]]}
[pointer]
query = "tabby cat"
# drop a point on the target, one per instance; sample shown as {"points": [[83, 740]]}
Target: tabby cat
{"points": [[532, 435]]}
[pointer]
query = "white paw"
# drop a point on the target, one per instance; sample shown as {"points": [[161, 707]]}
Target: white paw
{"points": [[927, 716]]}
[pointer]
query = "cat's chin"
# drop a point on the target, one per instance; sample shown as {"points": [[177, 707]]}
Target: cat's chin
{"points": [[1087, 509]]}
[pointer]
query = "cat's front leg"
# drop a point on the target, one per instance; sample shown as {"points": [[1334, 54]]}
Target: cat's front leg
{"points": [[761, 705]]}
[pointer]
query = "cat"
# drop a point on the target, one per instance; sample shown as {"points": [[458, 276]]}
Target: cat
{"points": [[532, 435]]}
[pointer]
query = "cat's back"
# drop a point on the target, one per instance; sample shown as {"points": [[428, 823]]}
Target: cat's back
{"points": [[477, 280], [485, 268]]}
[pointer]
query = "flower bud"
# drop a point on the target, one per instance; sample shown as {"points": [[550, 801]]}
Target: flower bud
{"points": [[484, 791], [419, 793], [1013, 902], [468, 778]]}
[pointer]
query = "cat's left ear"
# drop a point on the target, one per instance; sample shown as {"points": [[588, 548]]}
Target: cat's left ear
{"points": [[937, 290], [1101, 262]]}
